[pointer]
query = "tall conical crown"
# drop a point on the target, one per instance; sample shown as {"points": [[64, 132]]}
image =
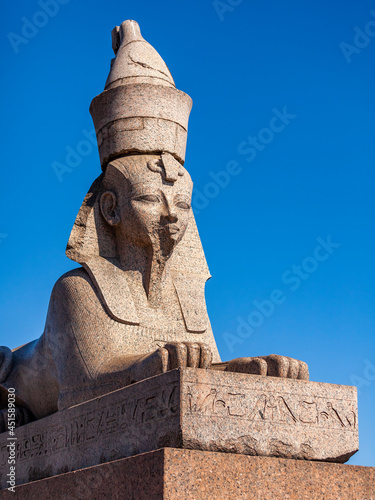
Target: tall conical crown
{"points": [[136, 60], [140, 110]]}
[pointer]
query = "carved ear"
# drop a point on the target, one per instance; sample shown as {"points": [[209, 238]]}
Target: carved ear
{"points": [[108, 207]]}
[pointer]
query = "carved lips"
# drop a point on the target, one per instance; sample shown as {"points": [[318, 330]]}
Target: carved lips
{"points": [[173, 228]]}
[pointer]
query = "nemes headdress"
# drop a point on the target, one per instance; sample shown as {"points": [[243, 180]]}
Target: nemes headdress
{"points": [[140, 109], [139, 113]]}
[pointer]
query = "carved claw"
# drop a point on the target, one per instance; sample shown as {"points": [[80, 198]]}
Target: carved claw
{"points": [[273, 366]]}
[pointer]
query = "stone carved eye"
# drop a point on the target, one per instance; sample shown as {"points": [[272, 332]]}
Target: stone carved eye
{"points": [[148, 198], [182, 201], [183, 205]]}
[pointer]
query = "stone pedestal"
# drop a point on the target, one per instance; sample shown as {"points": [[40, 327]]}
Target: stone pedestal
{"points": [[175, 474], [190, 409]]}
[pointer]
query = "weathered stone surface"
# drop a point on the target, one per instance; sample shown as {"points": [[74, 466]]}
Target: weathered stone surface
{"points": [[174, 474], [195, 409], [141, 117]]}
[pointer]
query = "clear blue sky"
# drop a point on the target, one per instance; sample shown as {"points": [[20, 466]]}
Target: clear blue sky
{"points": [[311, 177]]}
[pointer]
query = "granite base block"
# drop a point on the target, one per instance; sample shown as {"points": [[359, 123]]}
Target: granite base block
{"points": [[191, 409], [175, 474]]}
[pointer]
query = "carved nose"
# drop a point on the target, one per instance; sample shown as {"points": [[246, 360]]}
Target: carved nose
{"points": [[169, 213], [171, 216]]}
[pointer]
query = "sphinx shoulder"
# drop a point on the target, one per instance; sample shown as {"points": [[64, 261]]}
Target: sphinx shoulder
{"points": [[75, 288]]}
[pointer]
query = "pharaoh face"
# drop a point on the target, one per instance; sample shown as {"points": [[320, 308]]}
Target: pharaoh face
{"points": [[153, 209]]}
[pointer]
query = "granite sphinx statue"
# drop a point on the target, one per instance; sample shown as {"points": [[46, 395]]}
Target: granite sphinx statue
{"points": [[136, 306]]}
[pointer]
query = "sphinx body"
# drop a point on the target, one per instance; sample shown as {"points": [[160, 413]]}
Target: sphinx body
{"points": [[136, 306]]}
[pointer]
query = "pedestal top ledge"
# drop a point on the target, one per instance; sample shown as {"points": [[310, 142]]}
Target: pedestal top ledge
{"points": [[193, 409]]}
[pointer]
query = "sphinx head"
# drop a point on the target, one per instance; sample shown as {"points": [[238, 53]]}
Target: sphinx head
{"points": [[146, 199]]}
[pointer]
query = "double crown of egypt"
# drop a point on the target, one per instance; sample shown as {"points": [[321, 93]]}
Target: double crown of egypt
{"points": [[136, 307]]}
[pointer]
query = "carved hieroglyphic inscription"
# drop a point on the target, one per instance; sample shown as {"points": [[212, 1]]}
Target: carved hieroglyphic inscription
{"points": [[121, 417], [267, 406], [265, 416]]}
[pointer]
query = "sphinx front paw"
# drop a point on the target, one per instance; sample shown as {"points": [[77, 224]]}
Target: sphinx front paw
{"points": [[187, 354], [6, 362], [172, 355], [273, 366], [20, 416]]}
